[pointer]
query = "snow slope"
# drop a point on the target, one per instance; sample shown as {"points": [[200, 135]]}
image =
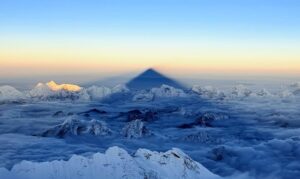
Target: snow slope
{"points": [[10, 94], [114, 163]]}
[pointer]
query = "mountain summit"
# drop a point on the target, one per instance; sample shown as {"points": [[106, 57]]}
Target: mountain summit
{"points": [[150, 79]]}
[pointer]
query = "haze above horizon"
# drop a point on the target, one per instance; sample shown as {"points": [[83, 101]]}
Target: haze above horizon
{"points": [[185, 38]]}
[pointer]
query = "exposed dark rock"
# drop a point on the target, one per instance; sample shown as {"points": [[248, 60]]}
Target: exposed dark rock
{"points": [[135, 129], [75, 126]]}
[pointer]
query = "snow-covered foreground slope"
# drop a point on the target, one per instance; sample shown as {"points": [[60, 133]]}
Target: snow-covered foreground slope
{"points": [[114, 163]]}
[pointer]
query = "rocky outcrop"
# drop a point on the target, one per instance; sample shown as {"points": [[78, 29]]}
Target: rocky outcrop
{"points": [[135, 129], [74, 126]]}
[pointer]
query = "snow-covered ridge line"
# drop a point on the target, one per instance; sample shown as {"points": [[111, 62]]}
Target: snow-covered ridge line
{"points": [[241, 91], [56, 87], [74, 92], [114, 163], [53, 91]]}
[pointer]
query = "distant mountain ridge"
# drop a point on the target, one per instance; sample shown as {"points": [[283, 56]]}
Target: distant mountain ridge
{"points": [[150, 79]]}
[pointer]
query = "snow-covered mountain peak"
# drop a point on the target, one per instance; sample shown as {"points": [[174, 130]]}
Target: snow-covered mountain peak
{"points": [[9, 93], [67, 87], [114, 163]]}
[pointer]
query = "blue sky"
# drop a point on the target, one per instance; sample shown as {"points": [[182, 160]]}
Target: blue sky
{"points": [[237, 18], [257, 30]]}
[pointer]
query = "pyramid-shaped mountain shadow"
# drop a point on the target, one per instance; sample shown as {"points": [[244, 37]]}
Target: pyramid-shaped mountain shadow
{"points": [[150, 79]]}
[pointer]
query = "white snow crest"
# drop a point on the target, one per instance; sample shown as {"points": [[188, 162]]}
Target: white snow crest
{"points": [[74, 126], [208, 92], [114, 163], [168, 91], [51, 90], [164, 91], [10, 94]]}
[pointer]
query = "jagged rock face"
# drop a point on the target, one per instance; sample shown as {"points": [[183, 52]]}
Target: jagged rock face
{"points": [[75, 126], [98, 128], [175, 159], [114, 163], [135, 129]]}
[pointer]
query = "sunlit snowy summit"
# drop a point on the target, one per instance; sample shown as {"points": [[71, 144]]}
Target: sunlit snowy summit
{"points": [[68, 87]]}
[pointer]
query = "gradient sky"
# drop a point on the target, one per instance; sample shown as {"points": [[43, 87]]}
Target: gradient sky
{"points": [[67, 37]]}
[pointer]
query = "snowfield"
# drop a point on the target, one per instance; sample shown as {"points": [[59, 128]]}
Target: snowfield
{"points": [[114, 163], [68, 131]]}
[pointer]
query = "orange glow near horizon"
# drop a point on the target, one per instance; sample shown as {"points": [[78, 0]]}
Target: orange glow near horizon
{"points": [[30, 57]]}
